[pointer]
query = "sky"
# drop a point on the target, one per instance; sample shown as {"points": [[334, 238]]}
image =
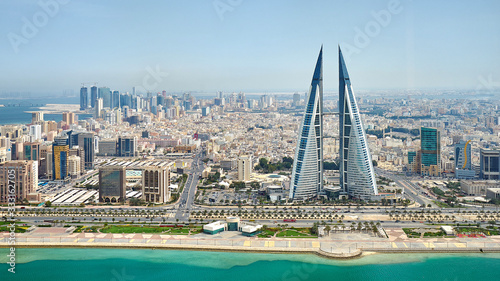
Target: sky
{"points": [[48, 46]]}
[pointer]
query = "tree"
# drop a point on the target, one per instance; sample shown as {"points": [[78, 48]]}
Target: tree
{"points": [[48, 204], [374, 163]]}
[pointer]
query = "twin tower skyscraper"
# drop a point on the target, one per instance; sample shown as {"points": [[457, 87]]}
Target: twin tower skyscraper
{"points": [[357, 178]]}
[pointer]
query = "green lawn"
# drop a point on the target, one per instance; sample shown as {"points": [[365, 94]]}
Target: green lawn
{"points": [[150, 229], [266, 233], [19, 229], [292, 233]]}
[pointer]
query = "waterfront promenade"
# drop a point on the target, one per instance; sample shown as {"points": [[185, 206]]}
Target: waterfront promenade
{"points": [[337, 245]]}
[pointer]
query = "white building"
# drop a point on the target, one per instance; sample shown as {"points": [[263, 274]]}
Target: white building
{"points": [[36, 132], [74, 166], [244, 167]]}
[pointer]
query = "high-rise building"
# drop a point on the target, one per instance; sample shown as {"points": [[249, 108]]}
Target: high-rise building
{"points": [[36, 132], [126, 147], [78, 151], [69, 117], [84, 98], [105, 95], [357, 177], [490, 164], [36, 117], [296, 99], [244, 167], [115, 99], [23, 175], [60, 153], [98, 108], [463, 165], [430, 152], [112, 184], [307, 173], [74, 168], [155, 184], [93, 96], [31, 151], [86, 141]]}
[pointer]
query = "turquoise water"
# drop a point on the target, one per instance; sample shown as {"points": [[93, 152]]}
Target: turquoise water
{"points": [[18, 114], [140, 264]]}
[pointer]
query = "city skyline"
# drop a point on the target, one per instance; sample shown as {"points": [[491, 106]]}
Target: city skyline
{"points": [[242, 48]]}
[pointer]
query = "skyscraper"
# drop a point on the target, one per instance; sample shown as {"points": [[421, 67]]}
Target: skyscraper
{"points": [[356, 169], [93, 96], [86, 141], [307, 173], [60, 151], [105, 95], [430, 151], [115, 99], [84, 98], [463, 165]]}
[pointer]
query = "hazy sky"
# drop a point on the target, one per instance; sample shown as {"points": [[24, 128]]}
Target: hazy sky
{"points": [[247, 45]]}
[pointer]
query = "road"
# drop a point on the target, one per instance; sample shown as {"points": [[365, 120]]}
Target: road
{"points": [[187, 197], [410, 189]]}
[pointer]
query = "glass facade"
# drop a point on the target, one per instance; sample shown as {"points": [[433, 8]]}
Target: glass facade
{"points": [[356, 169], [84, 98], [307, 172]]}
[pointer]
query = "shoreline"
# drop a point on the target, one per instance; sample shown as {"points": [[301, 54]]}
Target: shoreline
{"points": [[356, 254]]}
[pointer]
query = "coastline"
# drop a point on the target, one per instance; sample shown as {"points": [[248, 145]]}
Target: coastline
{"points": [[358, 253]]}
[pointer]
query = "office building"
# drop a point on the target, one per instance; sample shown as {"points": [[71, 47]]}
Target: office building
{"points": [[463, 165], [112, 184], [127, 146], [478, 187], [84, 98], [489, 164], [307, 173], [155, 183], [357, 177], [93, 96], [105, 95], [86, 141], [115, 99], [245, 166], [430, 152], [60, 153], [21, 174], [31, 151], [98, 108]]}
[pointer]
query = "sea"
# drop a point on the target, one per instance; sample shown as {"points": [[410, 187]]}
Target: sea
{"points": [[44, 264], [16, 111]]}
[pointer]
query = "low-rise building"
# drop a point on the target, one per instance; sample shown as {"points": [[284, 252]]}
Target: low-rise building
{"points": [[478, 188]]}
